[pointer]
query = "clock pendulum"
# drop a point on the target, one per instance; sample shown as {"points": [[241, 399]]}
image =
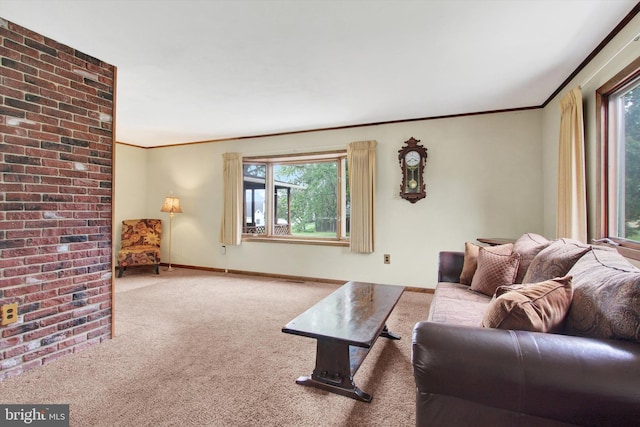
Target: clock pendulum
{"points": [[413, 183]]}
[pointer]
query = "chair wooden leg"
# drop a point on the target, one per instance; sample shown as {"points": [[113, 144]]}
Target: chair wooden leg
{"points": [[157, 268], [120, 270]]}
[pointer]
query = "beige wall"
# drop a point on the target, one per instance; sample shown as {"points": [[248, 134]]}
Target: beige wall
{"points": [[130, 187], [598, 71], [483, 179]]}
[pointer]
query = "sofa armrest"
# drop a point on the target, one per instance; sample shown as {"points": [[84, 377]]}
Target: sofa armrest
{"points": [[571, 379], [450, 266]]}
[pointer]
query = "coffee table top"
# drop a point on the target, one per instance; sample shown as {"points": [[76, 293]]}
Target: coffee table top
{"points": [[355, 314]]}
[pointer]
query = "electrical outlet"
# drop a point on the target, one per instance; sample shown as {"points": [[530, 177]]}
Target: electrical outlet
{"points": [[387, 258], [9, 313]]}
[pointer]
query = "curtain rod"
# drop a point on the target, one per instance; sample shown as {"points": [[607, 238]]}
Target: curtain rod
{"points": [[634, 39]]}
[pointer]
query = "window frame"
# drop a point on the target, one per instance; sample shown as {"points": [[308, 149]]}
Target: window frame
{"points": [[340, 156], [604, 94]]}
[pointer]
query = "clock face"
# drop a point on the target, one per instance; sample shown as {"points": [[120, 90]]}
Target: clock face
{"points": [[412, 158]]}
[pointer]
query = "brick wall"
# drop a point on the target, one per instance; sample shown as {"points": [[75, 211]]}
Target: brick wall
{"points": [[56, 158]]}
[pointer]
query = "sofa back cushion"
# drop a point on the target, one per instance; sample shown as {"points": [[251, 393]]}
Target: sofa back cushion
{"points": [[141, 232], [528, 246], [555, 260], [606, 298]]}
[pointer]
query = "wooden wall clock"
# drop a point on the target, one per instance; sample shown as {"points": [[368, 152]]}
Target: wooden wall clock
{"points": [[412, 158]]}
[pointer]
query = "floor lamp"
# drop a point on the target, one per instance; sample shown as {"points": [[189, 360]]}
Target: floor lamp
{"points": [[171, 205]]}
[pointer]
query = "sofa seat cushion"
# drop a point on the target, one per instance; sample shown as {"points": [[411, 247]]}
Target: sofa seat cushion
{"points": [[606, 297], [457, 304]]}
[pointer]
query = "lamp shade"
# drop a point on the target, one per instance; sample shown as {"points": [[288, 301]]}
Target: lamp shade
{"points": [[172, 205]]}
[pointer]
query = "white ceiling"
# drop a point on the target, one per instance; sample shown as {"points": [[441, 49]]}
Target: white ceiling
{"points": [[196, 70]]}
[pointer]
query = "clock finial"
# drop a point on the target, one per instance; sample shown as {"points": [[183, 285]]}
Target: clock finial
{"points": [[412, 142]]}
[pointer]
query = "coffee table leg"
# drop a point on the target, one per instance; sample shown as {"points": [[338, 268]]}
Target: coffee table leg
{"points": [[388, 334], [333, 371]]}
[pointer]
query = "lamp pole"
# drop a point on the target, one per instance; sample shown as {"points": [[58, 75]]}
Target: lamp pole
{"points": [[172, 206], [170, 238]]}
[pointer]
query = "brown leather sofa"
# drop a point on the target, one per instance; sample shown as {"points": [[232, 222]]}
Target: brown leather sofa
{"points": [[469, 375]]}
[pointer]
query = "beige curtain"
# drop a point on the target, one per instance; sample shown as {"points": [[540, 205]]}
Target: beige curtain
{"points": [[572, 194], [231, 227], [362, 177]]}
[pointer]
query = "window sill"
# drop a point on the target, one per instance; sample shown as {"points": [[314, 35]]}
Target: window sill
{"points": [[296, 241], [624, 247]]}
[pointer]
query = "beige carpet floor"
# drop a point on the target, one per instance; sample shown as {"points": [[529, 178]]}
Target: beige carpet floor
{"points": [[196, 348]]}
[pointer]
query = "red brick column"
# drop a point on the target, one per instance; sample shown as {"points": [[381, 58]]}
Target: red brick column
{"points": [[56, 158]]}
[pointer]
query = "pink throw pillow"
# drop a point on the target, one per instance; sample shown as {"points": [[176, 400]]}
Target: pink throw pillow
{"points": [[494, 269]]}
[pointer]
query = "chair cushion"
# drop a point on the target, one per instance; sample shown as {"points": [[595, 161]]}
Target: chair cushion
{"points": [[139, 255]]}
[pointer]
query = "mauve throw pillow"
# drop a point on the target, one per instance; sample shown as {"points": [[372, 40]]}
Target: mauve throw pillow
{"points": [[528, 246], [470, 264], [555, 260], [494, 270], [537, 307]]}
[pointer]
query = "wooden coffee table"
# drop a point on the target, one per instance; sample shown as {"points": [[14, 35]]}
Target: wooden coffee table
{"points": [[345, 324]]}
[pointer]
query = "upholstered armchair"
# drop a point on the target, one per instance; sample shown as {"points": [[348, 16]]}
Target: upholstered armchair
{"points": [[140, 244]]}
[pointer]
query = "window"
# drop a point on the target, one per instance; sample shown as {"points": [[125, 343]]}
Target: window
{"points": [[296, 198], [618, 104]]}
